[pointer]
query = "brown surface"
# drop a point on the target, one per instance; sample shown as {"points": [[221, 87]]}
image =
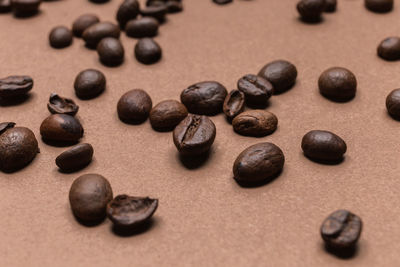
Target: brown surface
{"points": [[204, 217]]}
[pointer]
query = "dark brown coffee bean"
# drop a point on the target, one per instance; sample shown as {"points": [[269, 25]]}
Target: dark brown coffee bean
{"points": [[134, 106], [258, 163], [222, 2], [61, 105], [330, 6], [89, 83], [130, 212], [194, 135], [389, 49], [255, 123], [341, 230], [83, 22], [282, 74], [89, 196], [127, 11], [142, 27], [379, 6], [15, 86], [393, 104], [338, 84], [256, 89], [204, 98], [167, 114], [61, 127], [147, 51], [60, 37], [25, 8], [173, 6], [5, 6], [98, 31], [75, 158], [111, 52], [18, 147], [323, 146], [311, 10], [233, 104], [155, 2], [157, 12]]}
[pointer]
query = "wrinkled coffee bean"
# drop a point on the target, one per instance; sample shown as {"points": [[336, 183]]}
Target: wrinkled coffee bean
{"points": [[134, 106], [311, 10], [5, 6], [338, 84], [157, 12], [60, 37], [173, 6], [98, 31], [222, 2], [111, 52], [167, 114], [379, 6], [393, 104], [127, 11], [83, 22], [61, 127], [323, 146], [256, 89], [25, 8], [330, 6], [255, 123], [15, 86], [282, 74], [147, 51], [61, 105], [75, 158], [233, 104], [142, 27], [89, 83], [389, 49]]}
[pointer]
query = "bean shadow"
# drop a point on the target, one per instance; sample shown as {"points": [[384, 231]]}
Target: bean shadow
{"points": [[15, 101], [311, 21], [247, 184], [77, 169], [326, 162], [93, 223], [59, 143], [344, 254], [140, 229], [27, 15], [194, 162]]}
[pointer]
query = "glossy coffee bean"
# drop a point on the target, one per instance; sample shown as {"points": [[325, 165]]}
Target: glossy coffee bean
{"points": [[233, 104], [89, 84], [98, 31], [194, 135], [173, 6], [389, 49], [62, 128], [60, 105], [60, 37], [379, 6], [111, 52], [341, 230], [142, 27], [134, 106], [323, 146], [204, 98], [256, 89], [148, 51], [89, 196], [393, 104], [338, 84], [157, 12], [25, 8], [330, 6], [222, 2], [83, 22], [255, 123], [127, 11], [167, 114], [282, 74], [5, 6], [15, 86], [311, 10], [75, 158]]}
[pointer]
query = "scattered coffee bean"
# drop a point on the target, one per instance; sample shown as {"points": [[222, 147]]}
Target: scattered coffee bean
{"points": [[5, 126], [111, 52], [61, 105], [282, 74], [89, 84], [98, 31], [393, 104], [194, 135], [222, 2], [338, 84], [62, 128], [311, 10], [204, 98], [255, 123], [25, 8], [323, 146], [256, 89], [75, 158], [147, 51], [142, 27], [89, 196], [389, 49], [5, 6], [167, 114], [330, 6], [173, 6], [84, 22], [15, 86], [134, 106], [157, 12], [127, 11], [60, 37], [379, 6], [233, 104]]}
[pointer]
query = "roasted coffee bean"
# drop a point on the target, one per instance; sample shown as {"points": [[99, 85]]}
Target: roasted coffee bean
{"points": [[142, 27], [282, 74], [147, 51], [341, 230], [111, 52], [255, 123], [194, 135], [233, 104], [61, 127], [25, 8], [134, 106], [127, 11], [167, 114], [89, 196], [393, 104], [84, 22], [5, 6], [75, 158], [222, 2], [323, 146], [256, 89], [258, 163], [129, 212], [379, 6], [60, 37], [204, 98], [98, 31], [173, 6], [330, 6], [15, 86], [389, 49], [311, 10], [18, 147], [338, 84], [155, 2], [157, 12], [89, 84], [61, 105]]}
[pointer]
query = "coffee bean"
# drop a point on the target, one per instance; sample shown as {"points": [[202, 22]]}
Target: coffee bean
{"points": [[18, 147], [255, 123], [98, 31], [60, 37], [167, 114], [222, 2], [89, 84], [157, 12], [330, 6], [258, 163], [341, 230], [156, 3], [62, 128], [174, 6], [130, 212], [134, 106], [393, 104], [142, 27], [61, 105], [83, 22], [127, 11], [256, 89], [5, 6], [194, 135], [89, 196], [111, 52], [25, 8], [204, 98], [389, 49], [147, 51], [233, 104], [379, 6], [338, 84], [75, 158], [15, 86], [323, 146], [282, 74], [311, 10]]}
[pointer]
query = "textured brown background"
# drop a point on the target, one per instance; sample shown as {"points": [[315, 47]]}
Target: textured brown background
{"points": [[204, 217]]}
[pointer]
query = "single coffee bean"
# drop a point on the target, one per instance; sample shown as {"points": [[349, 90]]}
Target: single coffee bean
{"points": [[129, 212], [61, 127], [330, 6], [15, 86], [233, 104], [60, 37], [341, 230], [61, 105], [142, 27], [127, 11], [111, 52], [194, 135], [173, 6], [323, 146], [75, 158], [255, 123], [311, 10], [83, 22], [25, 8], [18, 147], [5, 6], [98, 31], [258, 163], [222, 2], [282, 74], [393, 104], [147, 51], [379, 6], [338, 84], [389, 49], [204, 98], [89, 84], [89, 196], [134, 106], [167, 114], [157, 12], [256, 89]]}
